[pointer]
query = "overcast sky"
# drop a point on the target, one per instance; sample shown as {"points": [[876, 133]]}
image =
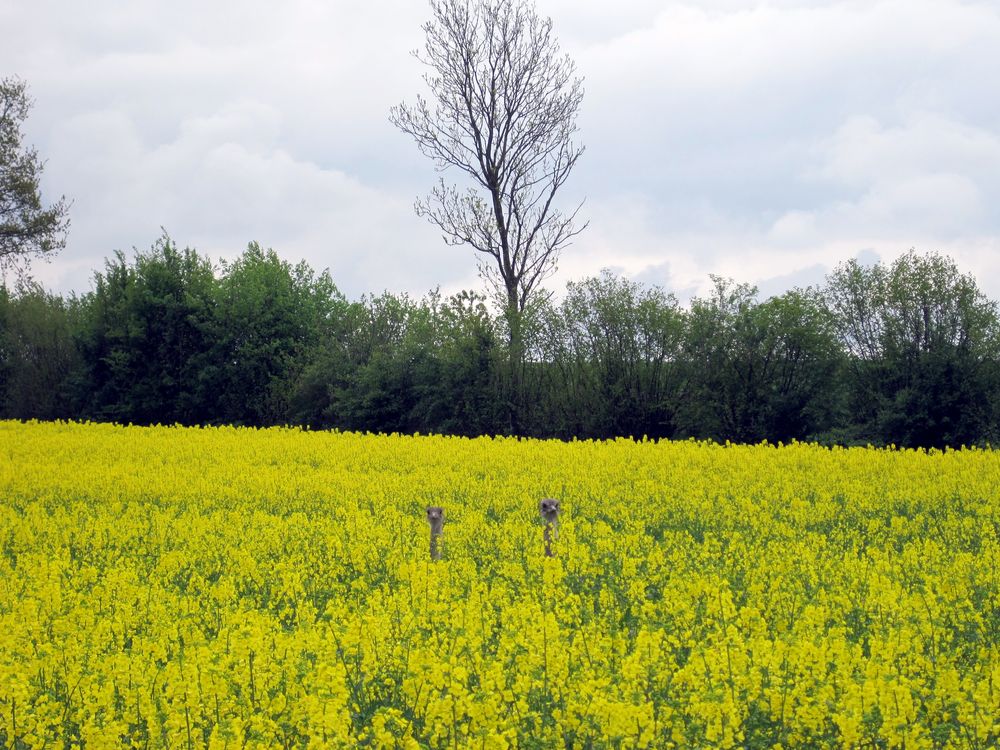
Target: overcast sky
{"points": [[766, 141]]}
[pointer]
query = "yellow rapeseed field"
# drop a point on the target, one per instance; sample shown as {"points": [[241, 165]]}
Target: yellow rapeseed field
{"points": [[191, 588]]}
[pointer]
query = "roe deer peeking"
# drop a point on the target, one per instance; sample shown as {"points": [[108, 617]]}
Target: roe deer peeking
{"points": [[549, 508], [435, 517]]}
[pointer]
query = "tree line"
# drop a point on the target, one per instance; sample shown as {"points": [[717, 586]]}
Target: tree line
{"points": [[904, 353]]}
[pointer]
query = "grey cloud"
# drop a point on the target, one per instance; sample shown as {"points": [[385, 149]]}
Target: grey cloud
{"points": [[759, 140]]}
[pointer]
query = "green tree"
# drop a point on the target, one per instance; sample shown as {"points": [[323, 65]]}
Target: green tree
{"points": [[457, 387], [38, 356], [27, 228], [390, 364], [758, 371], [802, 360], [147, 337], [613, 351], [269, 317], [923, 344], [357, 378]]}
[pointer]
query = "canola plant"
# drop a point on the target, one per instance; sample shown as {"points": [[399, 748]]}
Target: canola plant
{"points": [[171, 587]]}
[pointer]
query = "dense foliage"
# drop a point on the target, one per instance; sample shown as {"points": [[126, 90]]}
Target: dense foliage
{"points": [[227, 587], [906, 353]]}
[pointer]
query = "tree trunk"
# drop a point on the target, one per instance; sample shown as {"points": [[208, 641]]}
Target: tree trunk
{"points": [[515, 360]]}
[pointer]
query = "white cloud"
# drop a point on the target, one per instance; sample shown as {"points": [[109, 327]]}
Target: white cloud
{"points": [[863, 151], [225, 181]]}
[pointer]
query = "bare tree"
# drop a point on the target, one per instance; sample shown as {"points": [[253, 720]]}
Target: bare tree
{"points": [[502, 110], [27, 228]]}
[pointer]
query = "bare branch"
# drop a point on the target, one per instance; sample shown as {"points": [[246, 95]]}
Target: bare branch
{"points": [[27, 228], [502, 111]]}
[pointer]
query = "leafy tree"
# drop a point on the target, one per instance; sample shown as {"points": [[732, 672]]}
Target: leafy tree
{"points": [[326, 370], [269, 316], [391, 364], [503, 114], [756, 370], [27, 228], [147, 337], [456, 388], [38, 358], [802, 361], [923, 344], [614, 349], [355, 380]]}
